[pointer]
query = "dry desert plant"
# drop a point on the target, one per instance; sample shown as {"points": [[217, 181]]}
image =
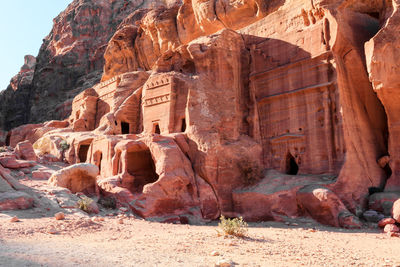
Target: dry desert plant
{"points": [[235, 227]]}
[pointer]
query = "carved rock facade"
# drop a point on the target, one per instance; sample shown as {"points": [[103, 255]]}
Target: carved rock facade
{"points": [[260, 109]]}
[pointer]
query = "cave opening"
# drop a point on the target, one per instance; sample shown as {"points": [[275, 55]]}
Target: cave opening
{"points": [[125, 128], [156, 129], [375, 15], [83, 151], [101, 158], [8, 138], [183, 125], [141, 166], [291, 166], [81, 182]]}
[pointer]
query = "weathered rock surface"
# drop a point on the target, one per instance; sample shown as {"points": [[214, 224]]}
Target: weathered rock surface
{"points": [[15, 200], [382, 223], [396, 211], [69, 61], [382, 61], [383, 202], [323, 205], [15, 99], [391, 228], [24, 150], [373, 216], [25, 75], [256, 109], [77, 178], [10, 198]]}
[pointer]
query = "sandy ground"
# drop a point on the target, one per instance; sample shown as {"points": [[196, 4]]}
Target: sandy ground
{"points": [[82, 241]]}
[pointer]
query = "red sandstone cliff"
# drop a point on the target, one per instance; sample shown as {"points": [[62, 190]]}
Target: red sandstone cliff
{"points": [[69, 61], [263, 109]]}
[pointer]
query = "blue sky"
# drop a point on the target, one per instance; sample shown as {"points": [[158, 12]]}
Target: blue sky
{"points": [[23, 25]]}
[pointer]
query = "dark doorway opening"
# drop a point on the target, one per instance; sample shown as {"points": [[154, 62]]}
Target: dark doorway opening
{"points": [[141, 166], [83, 151], [183, 126], [157, 128], [98, 157], [8, 138], [101, 158], [291, 166], [125, 128], [375, 15]]}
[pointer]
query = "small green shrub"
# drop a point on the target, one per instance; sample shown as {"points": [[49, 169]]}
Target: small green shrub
{"points": [[84, 204], [64, 145], [108, 202], [236, 226]]}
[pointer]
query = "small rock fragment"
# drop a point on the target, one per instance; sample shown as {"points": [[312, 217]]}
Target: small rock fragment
{"points": [[232, 243], [121, 221], [52, 231], [94, 208], [215, 253], [97, 219], [14, 219], [59, 216], [396, 210], [391, 228], [372, 216], [392, 234], [382, 223], [224, 263], [123, 209]]}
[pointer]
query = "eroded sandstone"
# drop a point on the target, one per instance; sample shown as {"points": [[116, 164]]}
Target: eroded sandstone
{"points": [[258, 109]]}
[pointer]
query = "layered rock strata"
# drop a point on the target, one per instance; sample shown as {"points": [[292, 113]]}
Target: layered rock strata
{"points": [[69, 61], [256, 109]]}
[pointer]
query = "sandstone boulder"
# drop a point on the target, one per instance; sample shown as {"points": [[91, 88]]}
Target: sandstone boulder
{"points": [[396, 210], [12, 163], [373, 216], [383, 202], [112, 186], [382, 223], [382, 55], [14, 200], [59, 216], [391, 228], [77, 178], [42, 174], [24, 150], [271, 198], [321, 204]]}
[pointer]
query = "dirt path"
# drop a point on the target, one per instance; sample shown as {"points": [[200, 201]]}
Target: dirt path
{"points": [[83, 242]]}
